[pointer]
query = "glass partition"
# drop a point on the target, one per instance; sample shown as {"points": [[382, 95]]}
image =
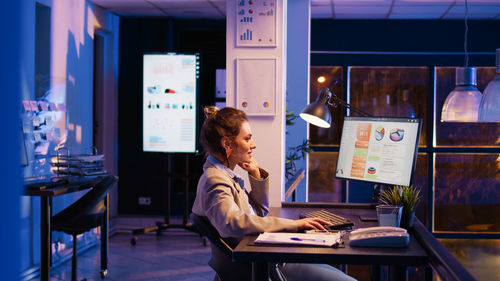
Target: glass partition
{"points": [[323, 186], [460, 134], [458, 165], [478, 256], [466, 192], [391, 92], [327, 77]]}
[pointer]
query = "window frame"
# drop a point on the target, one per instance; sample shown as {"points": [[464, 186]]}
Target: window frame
{"points": [[410, 59]]}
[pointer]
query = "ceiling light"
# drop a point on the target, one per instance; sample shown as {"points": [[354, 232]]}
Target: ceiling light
{"points": [[489, 109], [462, 104]]}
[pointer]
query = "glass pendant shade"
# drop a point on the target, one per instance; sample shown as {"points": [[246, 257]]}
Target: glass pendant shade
{"points": [[462, 104], [489, 109]]}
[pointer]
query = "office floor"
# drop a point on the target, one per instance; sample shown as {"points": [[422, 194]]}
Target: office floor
{"points": [[175, 255]]}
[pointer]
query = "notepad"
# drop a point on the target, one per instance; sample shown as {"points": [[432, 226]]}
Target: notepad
{"points": [[287, 238]]}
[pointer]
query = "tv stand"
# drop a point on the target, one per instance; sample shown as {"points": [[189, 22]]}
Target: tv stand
{"points": [[165, 224]]}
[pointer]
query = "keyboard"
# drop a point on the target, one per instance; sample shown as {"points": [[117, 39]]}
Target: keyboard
{"points": [[337, 222]]}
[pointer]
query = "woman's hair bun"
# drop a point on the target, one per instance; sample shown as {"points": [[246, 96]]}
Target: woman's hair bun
{"points": [[211, 111]]}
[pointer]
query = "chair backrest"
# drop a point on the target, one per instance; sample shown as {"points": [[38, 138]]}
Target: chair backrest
{"points": [[222, 253], [206, 229], [88, 205], [224, 266]]}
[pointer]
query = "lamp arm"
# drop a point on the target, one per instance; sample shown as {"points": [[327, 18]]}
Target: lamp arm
{"points": [[334, 100]]}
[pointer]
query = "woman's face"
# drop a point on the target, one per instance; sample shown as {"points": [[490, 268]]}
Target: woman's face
{"points": [[242, 145]]}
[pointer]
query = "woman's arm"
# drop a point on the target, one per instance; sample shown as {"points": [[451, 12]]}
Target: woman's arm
{"points": [[226, 211], [259, 195]]}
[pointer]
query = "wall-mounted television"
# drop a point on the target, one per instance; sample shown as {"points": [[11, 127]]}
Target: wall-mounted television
{"points": [[170, 95]]}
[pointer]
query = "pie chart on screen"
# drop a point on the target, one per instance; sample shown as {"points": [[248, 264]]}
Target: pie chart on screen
{"points": [[397, 135], [379, 133]]}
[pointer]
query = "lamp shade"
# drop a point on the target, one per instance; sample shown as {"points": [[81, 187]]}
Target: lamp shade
{"points": [[462, 104], [489, 109], [317, 112]]}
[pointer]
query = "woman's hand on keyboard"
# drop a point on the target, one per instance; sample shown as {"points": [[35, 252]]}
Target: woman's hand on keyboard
{"points": [[311, 223]]}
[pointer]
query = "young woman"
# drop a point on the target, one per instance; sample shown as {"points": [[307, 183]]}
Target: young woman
{"points": [[236, 210]]}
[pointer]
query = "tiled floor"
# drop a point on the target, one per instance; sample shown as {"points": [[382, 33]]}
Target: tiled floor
{"points": [[177, 254]]}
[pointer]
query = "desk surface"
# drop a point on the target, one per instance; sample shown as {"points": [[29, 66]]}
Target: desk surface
{"points": [[413, 255], [74, 184]]}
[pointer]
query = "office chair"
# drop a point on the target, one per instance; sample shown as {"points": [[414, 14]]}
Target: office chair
{"points": [[86, 213], [222, 252]]}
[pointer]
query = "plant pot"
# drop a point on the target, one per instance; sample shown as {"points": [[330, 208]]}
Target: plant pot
{"points": [[389, 215], [407, 219]]}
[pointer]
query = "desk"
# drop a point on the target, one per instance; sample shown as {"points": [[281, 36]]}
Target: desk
{"points": [[74, 184], [397, 258]]}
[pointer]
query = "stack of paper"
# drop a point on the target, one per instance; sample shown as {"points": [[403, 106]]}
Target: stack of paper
{"points": [[327, 240], [82, 165]]}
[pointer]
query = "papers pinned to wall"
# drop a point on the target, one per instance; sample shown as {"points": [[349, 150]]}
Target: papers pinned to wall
{"points": [[256, 86]]}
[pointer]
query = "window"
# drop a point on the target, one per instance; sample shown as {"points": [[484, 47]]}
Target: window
{"points": [[458, 165]]}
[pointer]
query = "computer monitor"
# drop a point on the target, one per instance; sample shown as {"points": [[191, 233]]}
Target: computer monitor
{"points": [[379, 150], [170, 102]]}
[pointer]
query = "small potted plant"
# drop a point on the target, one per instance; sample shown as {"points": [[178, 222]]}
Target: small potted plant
{"points": [[389, 212], [406, 196]]}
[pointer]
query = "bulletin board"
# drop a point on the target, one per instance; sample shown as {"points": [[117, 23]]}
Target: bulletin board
{"points": [[256, 23], [256, 86]]}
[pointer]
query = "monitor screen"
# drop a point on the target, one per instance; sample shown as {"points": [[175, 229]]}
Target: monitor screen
{"points": [[381, 150], [170, 102]]}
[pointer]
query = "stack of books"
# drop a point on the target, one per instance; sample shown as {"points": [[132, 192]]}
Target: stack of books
{"points": [[79, 165]]}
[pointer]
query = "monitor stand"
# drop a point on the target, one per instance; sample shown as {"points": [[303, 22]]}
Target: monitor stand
{"points": [[163, 225]]}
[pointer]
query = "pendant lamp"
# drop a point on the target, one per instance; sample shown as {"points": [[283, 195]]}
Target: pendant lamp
{"points": [[489, 108], [462, 104]]}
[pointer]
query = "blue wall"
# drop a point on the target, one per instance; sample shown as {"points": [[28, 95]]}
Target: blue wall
{"points": [[66, 60], [10, 56]]}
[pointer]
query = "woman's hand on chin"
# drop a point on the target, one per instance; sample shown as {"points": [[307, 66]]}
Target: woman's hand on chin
{"points": [[251, 167]]}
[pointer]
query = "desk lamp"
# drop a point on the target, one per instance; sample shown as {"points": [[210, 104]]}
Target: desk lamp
{"points": [[318, 113]]}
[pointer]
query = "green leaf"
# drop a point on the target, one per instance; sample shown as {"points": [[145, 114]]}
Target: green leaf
{"points": [[407, 196]]}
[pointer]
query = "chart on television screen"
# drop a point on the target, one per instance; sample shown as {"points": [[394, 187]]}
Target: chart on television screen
{"points": [[169, 102], [378, 149]]}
